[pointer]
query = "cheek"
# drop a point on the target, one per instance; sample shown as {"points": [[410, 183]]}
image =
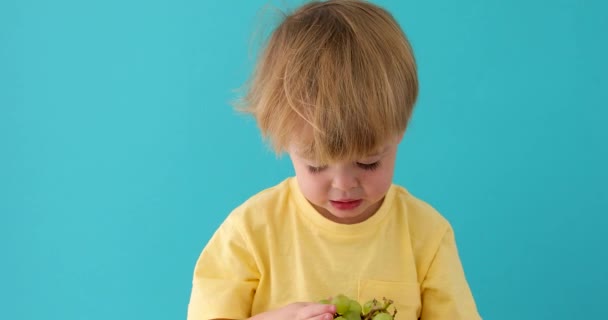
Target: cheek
{"points": [[312, 187], [378, 183]]}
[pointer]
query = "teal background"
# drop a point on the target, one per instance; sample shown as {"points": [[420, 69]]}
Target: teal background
{"points": [[120, 153]]}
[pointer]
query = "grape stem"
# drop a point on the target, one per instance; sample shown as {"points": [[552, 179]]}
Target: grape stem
{"points": [[378, 309]]}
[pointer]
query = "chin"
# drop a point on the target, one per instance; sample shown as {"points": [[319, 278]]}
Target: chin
{"points": [[341, 215], [348, 216]]}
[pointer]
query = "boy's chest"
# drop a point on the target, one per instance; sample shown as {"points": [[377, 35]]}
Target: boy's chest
{"points": [[311, 267]]}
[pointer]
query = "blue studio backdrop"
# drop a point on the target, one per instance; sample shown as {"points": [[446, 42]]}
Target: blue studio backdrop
{"points": [[120, 153]]}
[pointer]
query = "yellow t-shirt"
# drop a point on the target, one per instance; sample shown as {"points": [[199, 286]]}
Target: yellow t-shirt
{"points": [[276, 249]]}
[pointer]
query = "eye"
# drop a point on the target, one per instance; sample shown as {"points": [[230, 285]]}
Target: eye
{"points": [[369, 166], [313, 169]]}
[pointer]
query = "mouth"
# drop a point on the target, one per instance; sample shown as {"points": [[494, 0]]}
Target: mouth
{"points": [[345, 204]]}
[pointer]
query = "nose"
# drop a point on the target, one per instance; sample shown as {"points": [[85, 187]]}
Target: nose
{"points": [[345, 180]]}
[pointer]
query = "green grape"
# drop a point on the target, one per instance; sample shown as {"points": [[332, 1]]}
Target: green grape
{"points": [[352, 315], [355, 307], [387, 303], [351, 309], [383, 316], [367, 307], [342, 304]]}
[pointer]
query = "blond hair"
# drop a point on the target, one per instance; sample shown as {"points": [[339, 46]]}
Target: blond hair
{"points": [[336, 77]]}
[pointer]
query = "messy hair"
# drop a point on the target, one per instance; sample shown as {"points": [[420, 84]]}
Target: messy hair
{"points": [[336, 77]]}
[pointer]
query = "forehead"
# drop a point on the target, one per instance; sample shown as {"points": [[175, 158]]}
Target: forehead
{"points": [[309, 144], [306, 152]]}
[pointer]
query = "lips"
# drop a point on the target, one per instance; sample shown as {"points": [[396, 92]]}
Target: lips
{"points": [[345, 204]]}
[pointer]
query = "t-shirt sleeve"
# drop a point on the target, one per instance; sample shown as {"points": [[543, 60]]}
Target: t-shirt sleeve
{"points": [[225, 277], [445, 291]]}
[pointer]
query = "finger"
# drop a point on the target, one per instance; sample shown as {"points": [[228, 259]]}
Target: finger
{"points": [[325, 316], [317, 309]]}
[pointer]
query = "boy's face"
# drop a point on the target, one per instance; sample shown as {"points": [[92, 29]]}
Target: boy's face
{"points": [[348, 191]]}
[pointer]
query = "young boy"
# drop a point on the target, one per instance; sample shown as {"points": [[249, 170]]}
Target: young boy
{"points": [[334, 88]]}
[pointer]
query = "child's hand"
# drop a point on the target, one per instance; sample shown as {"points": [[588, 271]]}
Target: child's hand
{"points": [[300, 311]]}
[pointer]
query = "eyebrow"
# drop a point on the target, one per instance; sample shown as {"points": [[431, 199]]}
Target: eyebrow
{"points": [[306, 154], [380, 152], [308, 157]]}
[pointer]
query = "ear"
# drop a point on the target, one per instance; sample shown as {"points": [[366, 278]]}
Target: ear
{"points": [[400, 137]]}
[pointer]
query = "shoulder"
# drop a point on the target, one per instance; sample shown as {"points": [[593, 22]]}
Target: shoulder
{"points": [[417, 210], [263, 207], [424, 222]]}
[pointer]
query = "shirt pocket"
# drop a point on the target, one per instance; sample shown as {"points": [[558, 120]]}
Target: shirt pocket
{"points": [[405, 296]]}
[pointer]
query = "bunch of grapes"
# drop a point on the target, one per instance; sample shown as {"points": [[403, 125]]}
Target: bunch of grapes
{"points": [[349, 309]]}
